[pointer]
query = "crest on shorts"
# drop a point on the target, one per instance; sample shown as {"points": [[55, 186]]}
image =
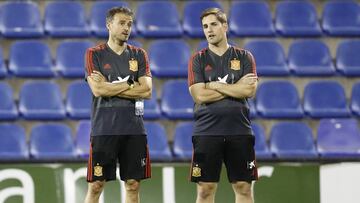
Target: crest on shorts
{"points": [[196, 171], [98, 170], [235, 64], [133, 65]]}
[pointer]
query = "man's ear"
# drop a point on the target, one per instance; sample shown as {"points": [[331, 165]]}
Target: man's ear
{"points": [[226, 27], [108, 24]]}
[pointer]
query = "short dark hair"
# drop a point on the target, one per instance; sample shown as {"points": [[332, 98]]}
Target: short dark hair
{"points": [[220, 15], [115, 10]]}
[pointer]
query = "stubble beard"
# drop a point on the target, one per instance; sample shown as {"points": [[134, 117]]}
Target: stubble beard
{"points": [[119, 41]]}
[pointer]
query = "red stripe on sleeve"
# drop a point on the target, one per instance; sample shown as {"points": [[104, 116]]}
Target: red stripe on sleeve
{"points": [[253, 64], [88, 61], [191, 79], [147, 67]]}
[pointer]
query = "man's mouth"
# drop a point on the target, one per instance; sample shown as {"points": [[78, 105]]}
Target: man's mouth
{"points": [[211, 36]]}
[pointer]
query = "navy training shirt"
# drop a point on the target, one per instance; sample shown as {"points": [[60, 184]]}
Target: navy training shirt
{"points": [[229, 116], [116, 115]]}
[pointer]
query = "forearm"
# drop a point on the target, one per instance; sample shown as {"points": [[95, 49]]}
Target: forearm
{"points": [[208, 96], [236, 90], [106, 89], [138, 92]]}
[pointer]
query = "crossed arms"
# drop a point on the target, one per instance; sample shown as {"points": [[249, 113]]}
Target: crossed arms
{"points": [[215, 91], [100, 87]]}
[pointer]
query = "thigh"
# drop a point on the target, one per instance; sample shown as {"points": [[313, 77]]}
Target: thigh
{"points": [[134, 158], [102, 158], [240, 158], [207, 158]]}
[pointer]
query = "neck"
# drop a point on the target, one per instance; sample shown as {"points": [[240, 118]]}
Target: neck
{"points": [[219, 48], [116, 47]]}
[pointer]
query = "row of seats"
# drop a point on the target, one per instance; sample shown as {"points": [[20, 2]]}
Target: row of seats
{"points": [[42, 100], [336, 138], [29, 58], [246, 18]]}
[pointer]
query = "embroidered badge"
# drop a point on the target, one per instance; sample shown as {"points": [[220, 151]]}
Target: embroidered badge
{"points": [[98, 170], [235, 64], [133, 65], [196, 171]]}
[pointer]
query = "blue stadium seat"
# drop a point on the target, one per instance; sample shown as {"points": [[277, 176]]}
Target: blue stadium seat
{"points": [[157, 140], [71, 23], [41, 100], [70, 58], [355, 99], [191, 17], [261, 147], [176, 101], [31, 59], [51, 141], [251, 18], [20, 20], [8, 110], [296, 19], [347, 59], [341, 18], [310, 58], [169, 58], [78, 100], [82, 138], [98, 16], [325, 99], [152, 107], [152, 23], [183, 148], [269, 56], [3, 71], [338, 138], [278, 99], [292, 140], [13, 144]]}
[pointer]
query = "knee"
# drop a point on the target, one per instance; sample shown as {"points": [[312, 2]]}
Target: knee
{"points": [[97, 187], [132, 185], [205, 190], [242, 188]]}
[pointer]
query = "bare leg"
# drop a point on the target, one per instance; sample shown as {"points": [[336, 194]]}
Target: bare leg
{"points": [[132, 191], [94, 191], [206, 192], [242, 192]]}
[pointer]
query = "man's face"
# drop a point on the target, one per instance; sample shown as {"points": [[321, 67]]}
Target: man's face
{"points": [[214, 30], [120, 27]]}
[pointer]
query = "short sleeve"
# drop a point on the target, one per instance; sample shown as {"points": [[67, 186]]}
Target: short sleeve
{"points": [[195, 74], [91, 62], [249, 63], [144, 69]]}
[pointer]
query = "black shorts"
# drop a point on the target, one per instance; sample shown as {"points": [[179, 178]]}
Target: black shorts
{"points": [[131, 151], [237, 153]]}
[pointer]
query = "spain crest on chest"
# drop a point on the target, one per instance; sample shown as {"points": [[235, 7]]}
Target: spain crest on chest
{"points": [[235, 64], [133, 65]]}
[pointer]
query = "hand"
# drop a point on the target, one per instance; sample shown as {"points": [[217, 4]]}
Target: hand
{"points": [[249, 79], [97, 76]]}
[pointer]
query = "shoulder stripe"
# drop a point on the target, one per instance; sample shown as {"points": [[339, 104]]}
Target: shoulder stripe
{"points": [[89, 61], [191, 77], [253, 64]]}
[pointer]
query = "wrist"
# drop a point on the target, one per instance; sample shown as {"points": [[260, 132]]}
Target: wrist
{"points": [[131, 83]]}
